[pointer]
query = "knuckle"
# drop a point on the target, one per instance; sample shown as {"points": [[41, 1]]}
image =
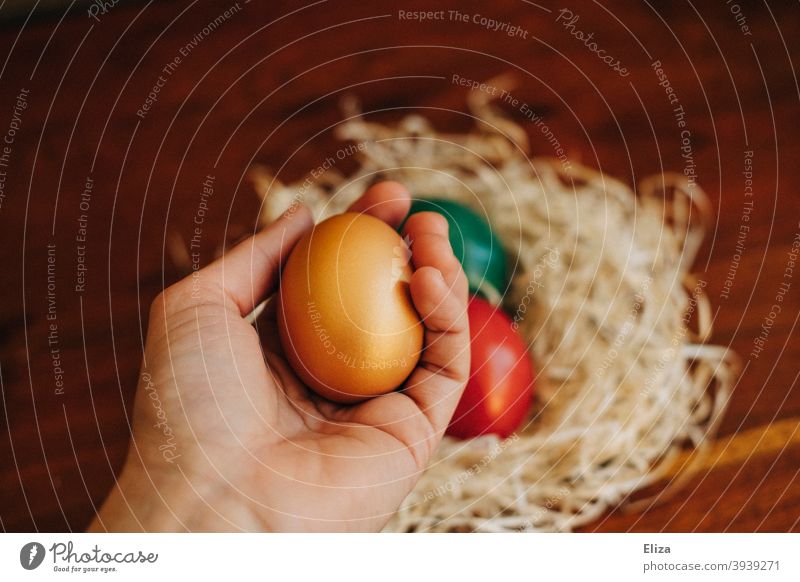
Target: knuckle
{"points": [[158, 304], [171, 299]]}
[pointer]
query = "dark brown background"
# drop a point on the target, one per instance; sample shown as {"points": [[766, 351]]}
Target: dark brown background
{"points": [[268, 68]]}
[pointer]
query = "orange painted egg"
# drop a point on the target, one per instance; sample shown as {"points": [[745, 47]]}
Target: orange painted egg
{"points": [[347, 323]]}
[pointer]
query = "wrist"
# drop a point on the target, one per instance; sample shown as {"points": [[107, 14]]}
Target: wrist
{"points": [[154, 500]]}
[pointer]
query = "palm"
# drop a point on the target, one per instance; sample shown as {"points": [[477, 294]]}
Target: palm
{"points": [[291, 460]]}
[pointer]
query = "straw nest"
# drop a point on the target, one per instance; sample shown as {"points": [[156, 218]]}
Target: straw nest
{"points": [[617, 326]]}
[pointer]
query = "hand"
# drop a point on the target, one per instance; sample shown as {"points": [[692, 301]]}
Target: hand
{"points": [[226, 437]]}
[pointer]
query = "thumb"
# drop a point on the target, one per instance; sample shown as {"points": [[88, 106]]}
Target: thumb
{"points": [[250, 270]]}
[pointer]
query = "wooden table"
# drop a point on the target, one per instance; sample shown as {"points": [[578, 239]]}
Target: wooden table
{"points": [[94, 157]]}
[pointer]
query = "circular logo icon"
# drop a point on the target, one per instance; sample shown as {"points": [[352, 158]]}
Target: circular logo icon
{"points": [[31, 555]]}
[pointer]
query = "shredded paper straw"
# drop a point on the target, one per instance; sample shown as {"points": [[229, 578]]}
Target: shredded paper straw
{"points": [[603, 295]]}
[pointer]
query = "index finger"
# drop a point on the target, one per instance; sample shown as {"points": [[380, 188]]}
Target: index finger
{"points": [[390, 201]]}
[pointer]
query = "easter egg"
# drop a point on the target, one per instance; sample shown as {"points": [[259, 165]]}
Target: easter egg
{"points": [[498, 394], [474, 243], [346, 320]]}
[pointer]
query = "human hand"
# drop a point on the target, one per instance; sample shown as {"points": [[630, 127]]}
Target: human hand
{"points": [[226, 437]]}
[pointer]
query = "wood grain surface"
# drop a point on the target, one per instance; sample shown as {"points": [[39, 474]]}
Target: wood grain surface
{"points": [[264, 84]]}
